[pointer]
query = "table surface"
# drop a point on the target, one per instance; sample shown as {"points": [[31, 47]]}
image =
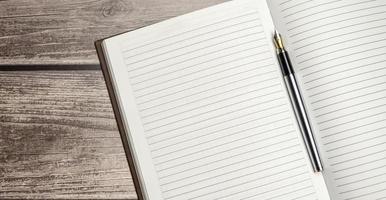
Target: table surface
{"points": [[58, 135]]}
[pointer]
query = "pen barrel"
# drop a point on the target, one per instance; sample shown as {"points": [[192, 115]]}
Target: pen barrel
{"points": [[303, 121], [285, 63]]}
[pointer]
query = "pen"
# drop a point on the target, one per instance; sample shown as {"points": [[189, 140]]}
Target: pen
{"points": [[297, 103]]}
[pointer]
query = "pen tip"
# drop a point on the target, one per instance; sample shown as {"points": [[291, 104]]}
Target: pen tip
{"points": [[277, 40], [276, 33]]}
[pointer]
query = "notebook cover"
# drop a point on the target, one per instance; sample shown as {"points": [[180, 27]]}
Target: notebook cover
{"points": [[118, 118]]}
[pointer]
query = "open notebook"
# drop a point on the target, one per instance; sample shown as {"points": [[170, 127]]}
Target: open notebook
{"points": [[204, 114]]}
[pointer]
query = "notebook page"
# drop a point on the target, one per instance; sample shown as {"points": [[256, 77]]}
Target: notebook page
{"points": [[339, 50], [213, 117]]}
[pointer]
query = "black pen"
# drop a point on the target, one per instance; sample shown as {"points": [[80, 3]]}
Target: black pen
{"points": [[297, 103]]}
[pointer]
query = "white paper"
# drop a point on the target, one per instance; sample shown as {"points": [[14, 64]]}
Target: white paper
{"points": [[214, 119], [339, 50]]}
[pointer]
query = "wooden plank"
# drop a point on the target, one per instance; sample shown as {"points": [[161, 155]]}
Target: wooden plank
{"points": [[58, 138], [63, 31]]}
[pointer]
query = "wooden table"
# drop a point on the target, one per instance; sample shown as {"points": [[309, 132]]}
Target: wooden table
{"points": [[58, 136]]}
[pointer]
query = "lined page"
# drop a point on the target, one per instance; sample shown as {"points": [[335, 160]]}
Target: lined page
{"points": [[339, 49], [215, 113]]}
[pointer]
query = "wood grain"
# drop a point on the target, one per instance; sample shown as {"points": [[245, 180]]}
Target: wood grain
{"points": [[63, 31], [58, 138]]}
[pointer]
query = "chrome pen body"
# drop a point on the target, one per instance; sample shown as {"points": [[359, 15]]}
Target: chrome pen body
{"points": [[298, 104]]}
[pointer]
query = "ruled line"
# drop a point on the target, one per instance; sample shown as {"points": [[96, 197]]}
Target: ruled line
{"points": [[215, 94], [243, 115], [342, 49], [348, 84], [199, 56], [343, 56], [195, 29], [152, 79], [342, 71], [335, 29], [205, 62], [285, 2], [357, 157], [225, 128], [191, 66], [357, 150], [203, 120], [348, 99], [269, 183], [255, 180], [342, 64], [309, 186], [212, 103], [363, 187], [214, 139], [218, 73], [344, 87], [356, 135], [199, 42], [210, 81], [352, 128], [225, 143], [317, 42], [339, 43], [231, 134], [266, 184], [223, 166], [360, 172], [354, 120], [214, 124], [305, 195], [325, 10], [228, 172], [206, 90], [344, 78], [348, 91], [144, 95], [349, 114], [364, 179], [366, 194], [285, 186], [212, 117], [355, 143], [303, 31], [208, 97], [295, 5], [217, 160], [309, 8], [358, 165], [331, 16], [194, 50]]}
